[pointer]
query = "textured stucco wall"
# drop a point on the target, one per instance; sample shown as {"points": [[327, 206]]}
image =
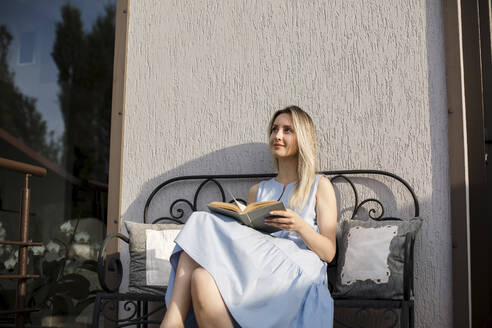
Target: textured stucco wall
{"points": [[204, 77]]}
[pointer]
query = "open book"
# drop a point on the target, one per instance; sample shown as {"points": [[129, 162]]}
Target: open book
{"points": [[253, 215]]}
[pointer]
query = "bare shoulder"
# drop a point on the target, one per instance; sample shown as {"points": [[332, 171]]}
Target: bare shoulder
{"points": [[325, 188], [254, 188], [252, 193], [326, 205]]}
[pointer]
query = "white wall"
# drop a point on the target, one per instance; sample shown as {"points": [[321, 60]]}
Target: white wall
{"points": [[204, 77]]}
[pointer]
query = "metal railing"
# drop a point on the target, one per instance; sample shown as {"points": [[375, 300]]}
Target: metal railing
{"points": [[28, 170]]}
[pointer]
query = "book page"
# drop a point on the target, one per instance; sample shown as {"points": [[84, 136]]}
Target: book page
{"points": [[242, 207], [256, 205], [226, 206]]}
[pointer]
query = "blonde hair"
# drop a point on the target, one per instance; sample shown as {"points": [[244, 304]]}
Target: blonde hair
{"points": [[307, 157]]}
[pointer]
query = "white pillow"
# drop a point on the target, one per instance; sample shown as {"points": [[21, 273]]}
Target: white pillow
{"points": [[367, 254], [159, 247]]}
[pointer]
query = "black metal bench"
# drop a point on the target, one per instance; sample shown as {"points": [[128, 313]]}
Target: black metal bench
{"points": [[137, 306]]}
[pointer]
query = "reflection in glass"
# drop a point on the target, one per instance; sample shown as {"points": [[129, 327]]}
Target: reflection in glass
{"points": [[56, 70]]}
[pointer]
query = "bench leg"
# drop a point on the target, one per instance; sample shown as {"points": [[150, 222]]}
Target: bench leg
{"points": [[146, 311], [404, 316], [96, 311], [139, 312], [412, 316]]}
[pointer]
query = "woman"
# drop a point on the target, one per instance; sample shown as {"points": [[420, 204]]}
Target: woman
{"points": [[234, 275]]}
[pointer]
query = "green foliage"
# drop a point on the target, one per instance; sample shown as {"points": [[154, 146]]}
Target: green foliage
{"points": [[53, 269], [89, 265]]}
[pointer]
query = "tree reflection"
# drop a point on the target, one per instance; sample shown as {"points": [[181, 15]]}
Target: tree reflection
{"points": [[85, 77], [18, 114]]}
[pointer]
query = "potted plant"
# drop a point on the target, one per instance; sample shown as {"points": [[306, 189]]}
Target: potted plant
{"points": [[68, 270]]}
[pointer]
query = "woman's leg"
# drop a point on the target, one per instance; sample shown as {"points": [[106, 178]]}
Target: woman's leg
{"points": [[208, 305], [181, 297]]}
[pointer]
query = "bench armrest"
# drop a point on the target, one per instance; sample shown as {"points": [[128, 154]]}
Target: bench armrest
{"points": [[113, 264]]}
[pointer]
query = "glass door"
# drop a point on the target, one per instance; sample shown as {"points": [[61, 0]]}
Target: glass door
{"points": [[56, 75]]}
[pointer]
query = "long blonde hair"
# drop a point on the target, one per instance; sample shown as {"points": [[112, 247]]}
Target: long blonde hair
{"points": [[307, 158]]}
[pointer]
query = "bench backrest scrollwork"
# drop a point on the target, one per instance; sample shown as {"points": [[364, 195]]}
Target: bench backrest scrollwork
{"points": [[178, 214]]}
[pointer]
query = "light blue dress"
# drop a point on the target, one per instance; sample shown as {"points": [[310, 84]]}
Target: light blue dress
{"points": [[265, 280]]}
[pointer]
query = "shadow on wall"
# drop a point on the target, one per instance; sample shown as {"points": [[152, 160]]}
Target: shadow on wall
{"points": [[254, 158], [240, 159]]}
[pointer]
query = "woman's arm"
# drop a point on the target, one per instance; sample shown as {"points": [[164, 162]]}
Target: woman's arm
{"points": [[252, 193], [324, 242]]}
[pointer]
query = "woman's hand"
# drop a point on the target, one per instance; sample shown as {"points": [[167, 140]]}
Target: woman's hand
{"points": [[288, 220]]}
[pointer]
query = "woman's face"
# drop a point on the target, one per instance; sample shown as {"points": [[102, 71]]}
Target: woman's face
{"points": [[283, 138]]}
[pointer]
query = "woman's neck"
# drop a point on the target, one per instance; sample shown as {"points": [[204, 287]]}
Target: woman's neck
{"points": [[287, 170]]}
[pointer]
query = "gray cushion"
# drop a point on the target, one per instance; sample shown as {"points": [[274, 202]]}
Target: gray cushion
{"points": [[140, 280], [371, 258]]}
